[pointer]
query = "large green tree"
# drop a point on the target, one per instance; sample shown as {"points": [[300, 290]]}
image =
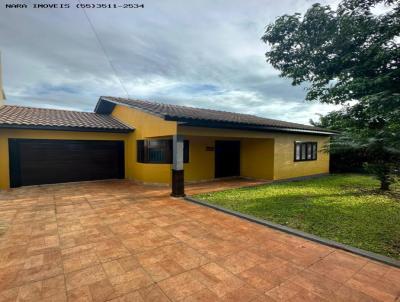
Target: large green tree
{"points": [[349, 56]]}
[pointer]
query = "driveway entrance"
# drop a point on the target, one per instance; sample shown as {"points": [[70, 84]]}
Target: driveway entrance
{"points": [[119, 241]]}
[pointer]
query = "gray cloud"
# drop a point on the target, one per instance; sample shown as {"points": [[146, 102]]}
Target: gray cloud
{"points": [[198, 53]]}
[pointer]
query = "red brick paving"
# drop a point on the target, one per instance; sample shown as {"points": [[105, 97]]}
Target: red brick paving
{"points": [[119, 241]]}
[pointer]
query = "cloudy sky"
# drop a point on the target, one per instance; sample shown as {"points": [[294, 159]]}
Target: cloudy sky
{"points": [[197, 53]]}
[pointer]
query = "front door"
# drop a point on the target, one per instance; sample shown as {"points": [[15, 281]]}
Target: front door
{"points": [[227, 158]]}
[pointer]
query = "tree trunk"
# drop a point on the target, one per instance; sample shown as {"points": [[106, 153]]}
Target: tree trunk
{"points": [[385, 185]]}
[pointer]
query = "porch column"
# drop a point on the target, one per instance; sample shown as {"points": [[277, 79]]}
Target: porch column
{"points": [[178, 183]]}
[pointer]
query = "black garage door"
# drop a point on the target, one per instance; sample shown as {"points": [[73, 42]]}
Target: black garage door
{"points": [[37, 161]]}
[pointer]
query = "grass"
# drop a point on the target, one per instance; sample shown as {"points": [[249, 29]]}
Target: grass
{"points": [[346, 208]]}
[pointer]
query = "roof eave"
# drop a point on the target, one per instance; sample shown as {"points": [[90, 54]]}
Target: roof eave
{"points": [[238, 126], [212, 124], [64, 128]]}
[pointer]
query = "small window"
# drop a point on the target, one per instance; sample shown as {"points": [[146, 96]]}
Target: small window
{"points": [[305, 151], [159, 151]]}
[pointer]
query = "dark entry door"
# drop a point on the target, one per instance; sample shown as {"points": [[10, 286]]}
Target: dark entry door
{"points": [[37, 161], [227, 158]]}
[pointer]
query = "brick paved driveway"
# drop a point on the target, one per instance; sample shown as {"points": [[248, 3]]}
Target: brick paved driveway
{"points": [[119, 241]]}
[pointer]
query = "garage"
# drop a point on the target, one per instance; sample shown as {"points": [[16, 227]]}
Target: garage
{"points": [[48, 161]]}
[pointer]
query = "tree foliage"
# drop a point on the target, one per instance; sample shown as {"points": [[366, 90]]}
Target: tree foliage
{"points": [[348, 56]]}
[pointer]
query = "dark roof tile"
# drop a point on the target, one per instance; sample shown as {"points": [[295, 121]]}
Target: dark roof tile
{"points": [[176, 112], [26, 117]]}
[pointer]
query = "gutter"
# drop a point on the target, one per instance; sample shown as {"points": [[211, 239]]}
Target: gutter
{"points": [[237, 126], [63, 128]]}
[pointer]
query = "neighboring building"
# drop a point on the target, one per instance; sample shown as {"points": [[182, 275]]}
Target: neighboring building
{"points": [[153, 143], [2, 94]]}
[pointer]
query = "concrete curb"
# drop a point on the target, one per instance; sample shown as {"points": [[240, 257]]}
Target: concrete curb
{"points": [[331, 243]]}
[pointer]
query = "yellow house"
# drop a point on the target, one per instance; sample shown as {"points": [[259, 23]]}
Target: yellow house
{"points": [[153, 143]]}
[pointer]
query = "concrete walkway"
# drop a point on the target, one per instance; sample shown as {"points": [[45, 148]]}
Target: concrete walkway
{"points": [[118, 241]]}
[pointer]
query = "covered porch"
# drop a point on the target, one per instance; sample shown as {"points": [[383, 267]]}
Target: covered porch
{"points": [[201, 155]]}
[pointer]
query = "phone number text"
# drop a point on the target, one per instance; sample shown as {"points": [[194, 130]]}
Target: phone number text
{"points": [[79, 5]]}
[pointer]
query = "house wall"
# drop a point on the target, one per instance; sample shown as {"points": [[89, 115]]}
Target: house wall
{"points": [[5, 134], [201, 160], [257, 153], [146, 126], [257, 158], [285, 166], [264, 155]]}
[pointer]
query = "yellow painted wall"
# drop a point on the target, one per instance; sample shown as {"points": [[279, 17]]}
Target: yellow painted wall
{"points": [[146, 126], [5, 134], [201, 161], [286, 167], [257, 158]]}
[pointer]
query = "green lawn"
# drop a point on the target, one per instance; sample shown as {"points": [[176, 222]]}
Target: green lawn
{"points": [[346, 208]]}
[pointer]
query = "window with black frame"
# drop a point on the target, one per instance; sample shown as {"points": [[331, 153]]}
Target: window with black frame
{"points": [[159, 151], [305, 151]]}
